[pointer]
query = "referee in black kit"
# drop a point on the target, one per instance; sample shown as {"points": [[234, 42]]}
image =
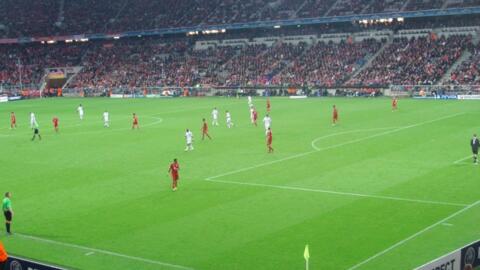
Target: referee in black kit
{"points": [[36, 133], [475, 143]]}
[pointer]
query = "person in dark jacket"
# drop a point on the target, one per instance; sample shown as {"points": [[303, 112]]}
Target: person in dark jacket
{"points": [[475, 143]]}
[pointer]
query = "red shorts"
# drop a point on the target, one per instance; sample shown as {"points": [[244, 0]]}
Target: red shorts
{"points": [[174, 177], [269, 141], [135, 123]]}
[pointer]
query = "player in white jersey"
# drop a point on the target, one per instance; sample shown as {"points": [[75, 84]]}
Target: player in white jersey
{"points": [[267, 121], [33, 121], [250, 102], [106, 119], [228, 117], [215, 117], [189, 139], [80, 111]]}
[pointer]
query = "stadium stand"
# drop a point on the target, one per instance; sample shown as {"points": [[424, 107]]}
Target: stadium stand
{"points": [[321, 65], [378, 6], [467, 73], [411, 61], [32, 60], [415, 52], [348, 7], [154, 63], [23, 18], [424, 4], [62, 17]]}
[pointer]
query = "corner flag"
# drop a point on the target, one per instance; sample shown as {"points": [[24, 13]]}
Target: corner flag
{"points": [[306, 255]]}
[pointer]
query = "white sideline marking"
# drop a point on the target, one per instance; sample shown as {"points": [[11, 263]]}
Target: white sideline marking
{"points": [[89, 253], [340, 193], [447, 224], [111, 253], [463, 159], [333, 146], [106, 252], [414, 235]]}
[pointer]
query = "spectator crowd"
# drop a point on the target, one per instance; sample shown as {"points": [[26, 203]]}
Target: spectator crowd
{"points": [[21, 18], [153, 62]]}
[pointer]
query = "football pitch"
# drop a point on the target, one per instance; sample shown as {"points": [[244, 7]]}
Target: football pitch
{"points": [[381, 190]]}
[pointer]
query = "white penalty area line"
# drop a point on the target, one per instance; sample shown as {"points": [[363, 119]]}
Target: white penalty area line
{"points": [[351, 194], [390, 131], [101, 251], [414, 236], [333, 146], [347, 132]]}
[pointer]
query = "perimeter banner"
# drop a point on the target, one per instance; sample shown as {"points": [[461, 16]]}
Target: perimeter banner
{"points": [[16, 263], [447, 262], [474, 97], [471, 255], [460, 259]]}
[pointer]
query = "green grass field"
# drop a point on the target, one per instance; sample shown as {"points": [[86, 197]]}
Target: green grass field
{"points": [[382, 190]]}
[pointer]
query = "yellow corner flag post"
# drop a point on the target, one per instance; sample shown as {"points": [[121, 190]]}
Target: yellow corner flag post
{"points": [[306, 255]]}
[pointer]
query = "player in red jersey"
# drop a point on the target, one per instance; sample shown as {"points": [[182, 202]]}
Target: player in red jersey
{"points": [[268, 105], [253, 115], [394, 104], [269, 140], [135, 122], [205, 130], [55, 123], [13, 120], [335, 116], [173, 170]]}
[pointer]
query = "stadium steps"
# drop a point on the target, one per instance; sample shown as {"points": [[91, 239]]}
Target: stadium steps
{"points": [[447, 2], [112, 20], [332, 8], [405, 5], [61, 12], [367, 6], [70, 79], [371, 58], [446, 77], [291, 63], [300, 8]]}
